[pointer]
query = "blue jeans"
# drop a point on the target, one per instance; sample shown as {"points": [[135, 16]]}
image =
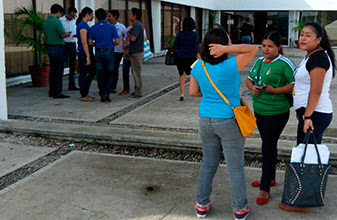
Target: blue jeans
{"points": [[87, 73], [222, 136], [56, 59], [105, 66], [246, 39], [70, 56], [320, 121]]}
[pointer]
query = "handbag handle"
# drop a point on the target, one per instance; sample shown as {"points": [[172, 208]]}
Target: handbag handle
{"points": [[215, 87], [306, 141]]}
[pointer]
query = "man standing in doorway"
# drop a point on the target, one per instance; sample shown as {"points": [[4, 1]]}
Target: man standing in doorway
{"points": [[69, 24], [55, 33], [247, 34], [136, 50]]}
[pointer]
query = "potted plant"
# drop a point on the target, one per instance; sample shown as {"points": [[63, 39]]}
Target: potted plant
{"points": [[298, 28], [28, 19]]}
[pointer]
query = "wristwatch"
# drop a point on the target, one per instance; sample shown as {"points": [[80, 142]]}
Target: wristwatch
{"points": [[306, 117]]}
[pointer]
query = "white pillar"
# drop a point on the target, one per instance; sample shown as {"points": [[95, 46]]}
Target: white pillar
{"points": [[193, 12], [3, 96], [217, 20], [156, 25], [205, 22], [294, 17]]}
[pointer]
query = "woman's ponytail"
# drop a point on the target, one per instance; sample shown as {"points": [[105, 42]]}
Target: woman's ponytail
{"points": [[84, 12]]}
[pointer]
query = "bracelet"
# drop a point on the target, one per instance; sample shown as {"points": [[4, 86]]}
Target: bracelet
{"points": [[306, 117]]}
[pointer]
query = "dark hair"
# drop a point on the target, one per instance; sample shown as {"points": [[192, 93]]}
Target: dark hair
{"points": [[214, 36], [137, 12], [276, 38], [84, 12], [114, 13], [188, 24], [100, 14], [325, 42], [56, 8], [247, 19], [72, 9]]}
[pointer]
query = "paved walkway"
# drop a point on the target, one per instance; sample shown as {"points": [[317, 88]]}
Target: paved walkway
{"points": [[90, 186]]}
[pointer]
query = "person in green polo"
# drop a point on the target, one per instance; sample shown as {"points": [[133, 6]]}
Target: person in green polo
{"points": [[270, 80], [54, 32]]}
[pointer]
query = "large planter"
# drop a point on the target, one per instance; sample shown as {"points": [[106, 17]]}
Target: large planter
{"points": [[39, 75]]}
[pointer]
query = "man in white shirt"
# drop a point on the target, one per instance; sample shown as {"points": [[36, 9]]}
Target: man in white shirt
{"points": [[112, 18], [69, 24]]}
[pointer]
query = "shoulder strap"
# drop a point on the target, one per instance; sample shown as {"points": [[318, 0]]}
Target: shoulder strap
{"points": [[216, 88]]}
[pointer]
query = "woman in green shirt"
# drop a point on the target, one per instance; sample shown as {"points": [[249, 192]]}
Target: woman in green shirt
{"points": [[270, 80]]}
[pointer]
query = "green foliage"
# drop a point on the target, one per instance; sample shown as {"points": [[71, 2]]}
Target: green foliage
{"points": [[94, 142], [299, 26], [28, 18], [170, 41], [161, 150]]}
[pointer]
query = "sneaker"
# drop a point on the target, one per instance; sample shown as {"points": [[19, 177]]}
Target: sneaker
{"points": [[134, 96], [202, 210], [241, 215], [87, 99]]}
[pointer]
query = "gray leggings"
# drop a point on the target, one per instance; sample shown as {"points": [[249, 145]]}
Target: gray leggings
{"points": [[222, 136]]}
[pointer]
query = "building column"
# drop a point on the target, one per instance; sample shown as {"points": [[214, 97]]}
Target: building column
{"points": [[3, 94], [205, 22], [156, 25], [193, 13], [217, 20], [294, 17]]}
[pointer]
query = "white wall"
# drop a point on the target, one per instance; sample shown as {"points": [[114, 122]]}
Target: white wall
{"points": [[156, 25], [3, 96]]}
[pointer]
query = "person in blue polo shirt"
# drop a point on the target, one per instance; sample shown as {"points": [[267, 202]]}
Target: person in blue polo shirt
{"points": [[105, 36]]}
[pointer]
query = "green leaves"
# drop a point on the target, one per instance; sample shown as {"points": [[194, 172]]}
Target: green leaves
{"points": [[29, 22]]}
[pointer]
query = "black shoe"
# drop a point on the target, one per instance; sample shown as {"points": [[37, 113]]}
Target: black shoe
{"points": [[181, 98], [61, 96], [73, 89], [105, 98]]}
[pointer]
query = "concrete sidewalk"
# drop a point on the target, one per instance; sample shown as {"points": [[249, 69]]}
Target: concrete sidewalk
{"points": [[91, 186]]}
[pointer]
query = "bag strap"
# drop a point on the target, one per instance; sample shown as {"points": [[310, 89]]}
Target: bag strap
{"points": [[215, 87], [306, 141]]}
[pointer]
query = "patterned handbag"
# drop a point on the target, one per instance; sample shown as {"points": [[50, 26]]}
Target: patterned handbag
{"points": [[304, 184]]}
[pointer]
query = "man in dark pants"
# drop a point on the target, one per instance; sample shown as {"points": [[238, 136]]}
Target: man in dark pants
{"points": [[55, 33], [106, 37], [69, 24], [113, 16]]}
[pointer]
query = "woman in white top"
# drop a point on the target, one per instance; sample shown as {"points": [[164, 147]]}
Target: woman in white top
{"points": [[312, 86]]}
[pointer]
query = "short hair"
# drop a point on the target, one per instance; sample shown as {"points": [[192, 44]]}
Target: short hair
{"points": [[100, 14], [56, 8], [72, 9], [114, 13], [137, 12], [214, 36], [247, 19], [188, 24]]}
